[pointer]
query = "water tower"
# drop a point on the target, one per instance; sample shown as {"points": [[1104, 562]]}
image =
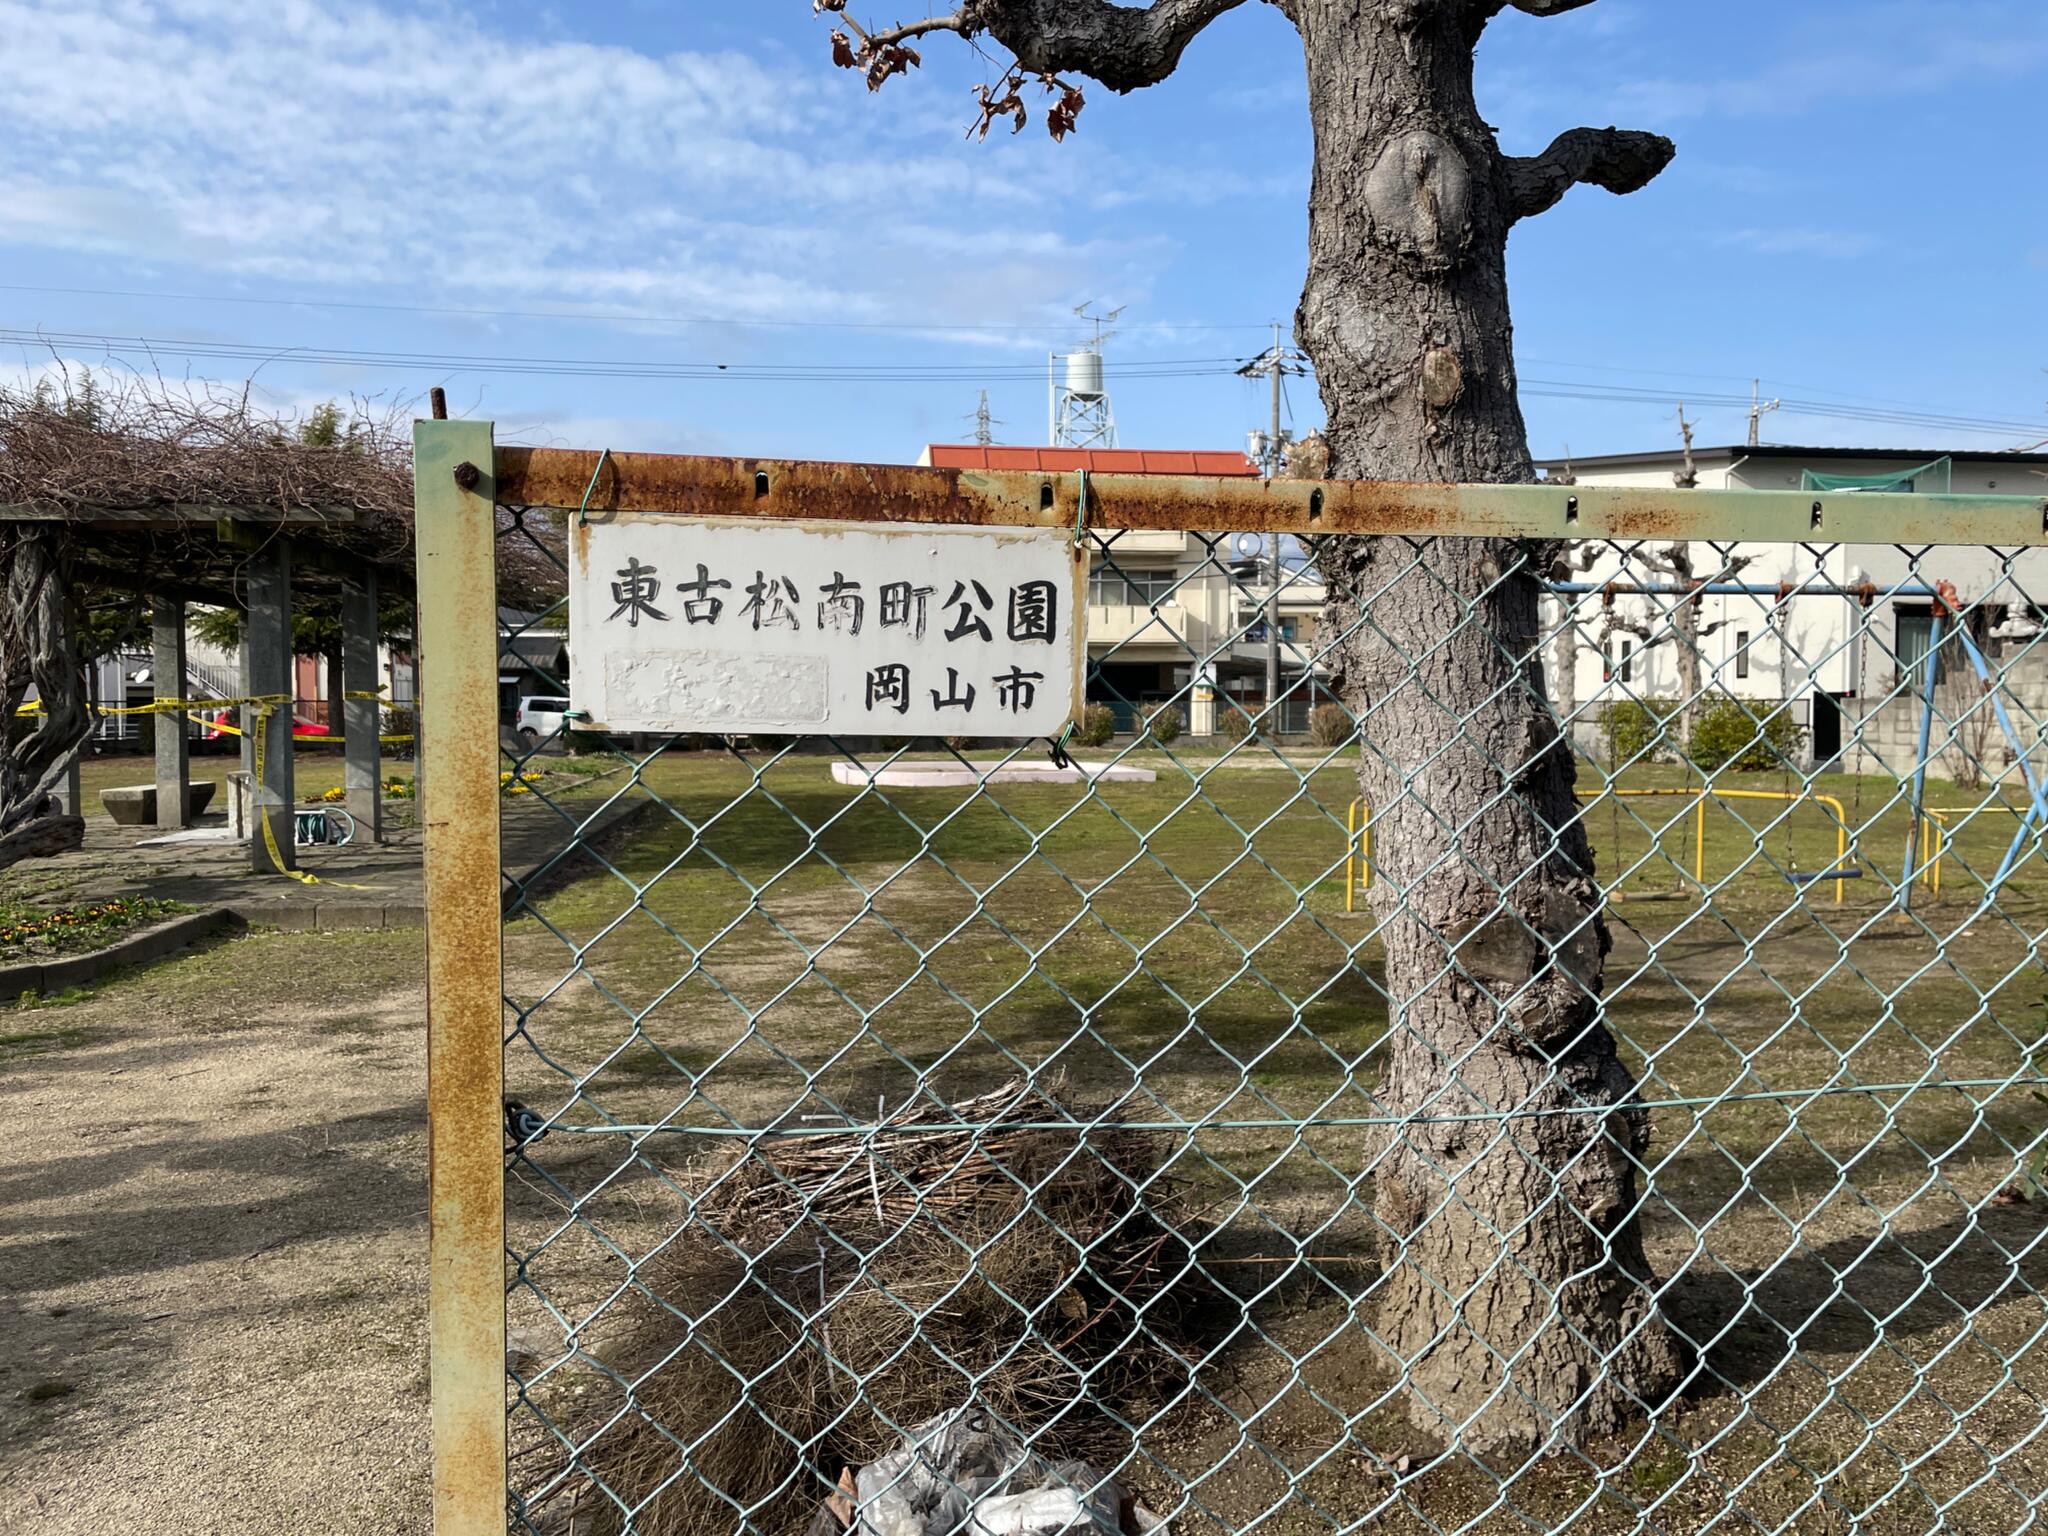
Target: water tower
{"points": [[1078, 399]]}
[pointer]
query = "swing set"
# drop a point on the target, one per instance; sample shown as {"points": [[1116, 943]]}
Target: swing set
{"points": [[1928, 836]]}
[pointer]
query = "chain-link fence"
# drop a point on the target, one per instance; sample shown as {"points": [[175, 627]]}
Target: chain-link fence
{"points": [[897, 1144]]}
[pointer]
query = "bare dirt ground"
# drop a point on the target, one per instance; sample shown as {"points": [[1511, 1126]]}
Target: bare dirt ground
{"points": [[212, 1229]]}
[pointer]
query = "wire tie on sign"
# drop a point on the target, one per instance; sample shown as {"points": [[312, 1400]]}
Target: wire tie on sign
{"points": [[583, 512], [1081, 511], [1057, 747]]}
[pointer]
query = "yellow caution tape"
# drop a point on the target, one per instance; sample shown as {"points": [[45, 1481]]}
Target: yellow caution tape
{"points": [[191, 710], [263, 708]]}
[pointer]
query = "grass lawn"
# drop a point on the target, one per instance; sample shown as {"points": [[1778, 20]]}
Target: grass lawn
{"points": [[775, 945]]}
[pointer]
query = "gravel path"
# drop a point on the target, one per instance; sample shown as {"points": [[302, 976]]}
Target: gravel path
{"points": [[211, 1240]]}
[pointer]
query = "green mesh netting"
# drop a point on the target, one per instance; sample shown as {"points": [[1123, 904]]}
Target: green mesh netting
{"points": [[1929, 480]]}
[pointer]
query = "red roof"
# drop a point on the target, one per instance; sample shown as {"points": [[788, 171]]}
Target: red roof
{"points": [[1097, 461]]}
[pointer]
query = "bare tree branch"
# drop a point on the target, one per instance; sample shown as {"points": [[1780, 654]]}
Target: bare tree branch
{"points": [[957, 22], [1621, 160], [1123, 46], [1547, 7]]}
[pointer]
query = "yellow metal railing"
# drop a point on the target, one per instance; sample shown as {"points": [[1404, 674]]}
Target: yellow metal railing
{"points": [[1358, 823], [1358, 857], [1702, 796], [1937, 816]]}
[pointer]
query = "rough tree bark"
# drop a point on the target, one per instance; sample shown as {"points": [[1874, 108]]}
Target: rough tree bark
{"points": [[36, 649], [1517, 1296]]}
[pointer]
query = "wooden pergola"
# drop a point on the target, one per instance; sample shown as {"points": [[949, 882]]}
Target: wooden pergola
{"points": [[257, 560]]}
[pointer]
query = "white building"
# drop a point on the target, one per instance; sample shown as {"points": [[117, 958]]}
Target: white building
{"points": [[1831, 656]]}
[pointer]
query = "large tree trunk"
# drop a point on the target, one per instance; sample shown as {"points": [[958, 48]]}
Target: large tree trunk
{"points": [[36, 649], [1517, 1295]]}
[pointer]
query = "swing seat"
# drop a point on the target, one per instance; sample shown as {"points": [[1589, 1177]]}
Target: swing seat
{"points": [[1810, 877]]}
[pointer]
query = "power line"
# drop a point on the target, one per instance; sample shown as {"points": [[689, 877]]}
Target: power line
{"points": [[626, 316], [148, 349], [153, 346]]}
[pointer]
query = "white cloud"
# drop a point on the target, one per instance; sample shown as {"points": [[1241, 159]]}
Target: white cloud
{"points": [[1873, 52], [1840, 244], [360, 146]]}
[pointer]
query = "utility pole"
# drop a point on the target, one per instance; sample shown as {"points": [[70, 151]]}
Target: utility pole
{"points": [[1270, 450], [1758, 409], [984, 424]]}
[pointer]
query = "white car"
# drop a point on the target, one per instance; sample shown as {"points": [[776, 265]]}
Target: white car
{"points": [[539, 715]]}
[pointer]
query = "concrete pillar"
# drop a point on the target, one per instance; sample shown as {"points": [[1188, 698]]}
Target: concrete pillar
{"points": [[245, 717], [69, 791], [173, 749], [267, 638], [362, 772]]}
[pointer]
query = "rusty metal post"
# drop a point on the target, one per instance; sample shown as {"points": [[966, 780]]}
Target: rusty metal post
{"points": [[458, 755]]}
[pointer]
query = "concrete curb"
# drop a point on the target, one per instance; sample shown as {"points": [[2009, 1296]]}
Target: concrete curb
{"points": [[330, 916], [63, 972], [607, 833], [930, 775]]}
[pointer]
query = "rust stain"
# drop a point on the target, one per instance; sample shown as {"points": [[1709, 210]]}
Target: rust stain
{"points": [[690, 486], [465, 1061], [675, 485]]}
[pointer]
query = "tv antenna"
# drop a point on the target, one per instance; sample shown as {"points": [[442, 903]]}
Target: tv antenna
{"points": [[1103, 325]]}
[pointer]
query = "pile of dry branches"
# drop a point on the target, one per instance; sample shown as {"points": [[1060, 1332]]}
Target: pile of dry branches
{"points": [[839, 1287]]}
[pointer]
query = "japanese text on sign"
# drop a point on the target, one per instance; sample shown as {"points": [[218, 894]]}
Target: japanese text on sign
{"points": [[734, 624]]}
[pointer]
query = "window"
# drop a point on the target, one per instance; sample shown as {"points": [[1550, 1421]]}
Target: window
{"points": [[1742, 653], [1913, 637], [1115, 586], [1625, 658]]}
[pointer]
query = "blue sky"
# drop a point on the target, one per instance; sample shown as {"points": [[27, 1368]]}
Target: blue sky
{"points": [[1855, 216]]}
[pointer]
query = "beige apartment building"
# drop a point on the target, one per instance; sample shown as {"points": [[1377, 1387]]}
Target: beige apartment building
{"points": [[1181, 617]]}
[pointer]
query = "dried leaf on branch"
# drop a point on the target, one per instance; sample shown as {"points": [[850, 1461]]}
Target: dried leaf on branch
{"points": [[1005, 100], [1059, 122]]}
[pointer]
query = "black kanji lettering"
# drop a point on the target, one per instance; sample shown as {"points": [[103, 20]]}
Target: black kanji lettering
{"points": [[1034, 611], [1016, 689], [889, 686], [904, 605], [771, 600], [841, 605], [955, 698], [635, 592], [699, 606], [967, 621]]}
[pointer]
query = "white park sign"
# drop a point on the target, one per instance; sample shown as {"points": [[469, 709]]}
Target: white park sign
{"points": [[806, 628]]}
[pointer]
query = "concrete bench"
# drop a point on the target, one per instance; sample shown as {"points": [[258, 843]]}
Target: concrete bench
{"points": [[134, 805]]}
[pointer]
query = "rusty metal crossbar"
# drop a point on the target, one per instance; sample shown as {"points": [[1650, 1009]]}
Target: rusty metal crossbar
{"points": [[691, 486]]}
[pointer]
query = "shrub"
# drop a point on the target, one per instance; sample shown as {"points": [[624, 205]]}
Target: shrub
{"points": [[1098, 726], [1165, 724], [398, 720], [1635, 729], [1232, 723], [1330, 725], [1752, 737], [963, 743]]}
